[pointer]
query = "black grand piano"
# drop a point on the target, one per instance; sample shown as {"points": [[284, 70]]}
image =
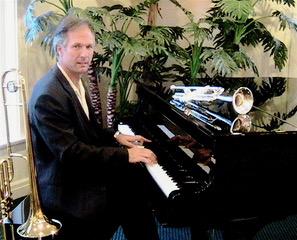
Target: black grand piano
{"points": [[210, 175]]}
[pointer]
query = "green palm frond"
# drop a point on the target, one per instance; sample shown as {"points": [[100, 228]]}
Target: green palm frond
{"points": [[47, 43], [135, 47], [113, 39], [199, 34], [243, 61], [146, 4], [160, 32], [127, 15], [196, 61], [113, 8], [253, 34], [285, 21], [276, 48], [237, 9], [220, 62], [66, 4], [90, 14], [154, 48], [63, 6], [132, 12], [226, 32], [233, 32], [160, 35], [41, 25], [116, 67]]}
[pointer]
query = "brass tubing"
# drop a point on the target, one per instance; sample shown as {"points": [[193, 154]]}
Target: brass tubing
{"points": [[37, 224]]}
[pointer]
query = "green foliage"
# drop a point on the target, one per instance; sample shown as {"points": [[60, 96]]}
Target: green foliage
{"points": [[221, 62], [43, 26], [285, 21], [238, 27], [117, 40], [239, 10]]}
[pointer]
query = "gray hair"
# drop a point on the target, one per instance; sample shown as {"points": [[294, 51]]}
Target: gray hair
{"points": [[68, 23]]}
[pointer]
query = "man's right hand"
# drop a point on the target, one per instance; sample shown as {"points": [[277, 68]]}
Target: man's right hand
{"points": [[141, 154]]}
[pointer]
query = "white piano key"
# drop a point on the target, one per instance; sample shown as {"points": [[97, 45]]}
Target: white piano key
{"points": [[166, 184], [125, 129], [166, 131]]}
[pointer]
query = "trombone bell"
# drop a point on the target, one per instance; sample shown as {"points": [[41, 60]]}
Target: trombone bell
{"points": [[38, 226]]}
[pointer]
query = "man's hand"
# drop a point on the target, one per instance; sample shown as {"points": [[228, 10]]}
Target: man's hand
{"points": [[141, 154], [131, 141]]}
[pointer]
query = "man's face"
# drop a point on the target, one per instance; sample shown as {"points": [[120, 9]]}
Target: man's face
{"points": [[76, 54]]}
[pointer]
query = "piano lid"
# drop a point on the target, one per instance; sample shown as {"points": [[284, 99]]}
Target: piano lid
{"points": [[274, 108]]}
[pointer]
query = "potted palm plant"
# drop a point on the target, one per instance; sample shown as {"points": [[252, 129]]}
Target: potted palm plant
{"points": [[218, 41], [121, 46]]}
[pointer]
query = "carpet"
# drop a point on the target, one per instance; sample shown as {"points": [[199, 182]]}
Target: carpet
{"points": [[285, 229], [165, 233]]}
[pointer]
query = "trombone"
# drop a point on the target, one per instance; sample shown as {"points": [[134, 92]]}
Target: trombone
{"points": [[37, 224]]}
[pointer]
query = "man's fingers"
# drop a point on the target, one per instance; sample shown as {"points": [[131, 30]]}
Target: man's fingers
{"points": [[142, 139]]}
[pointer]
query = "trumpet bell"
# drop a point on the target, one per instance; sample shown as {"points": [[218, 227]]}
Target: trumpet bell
{"points": [[243, 100], [241, 124]]}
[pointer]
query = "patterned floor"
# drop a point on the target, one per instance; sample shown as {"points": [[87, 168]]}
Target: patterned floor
{"points": [[285, 229], [165, 233]]}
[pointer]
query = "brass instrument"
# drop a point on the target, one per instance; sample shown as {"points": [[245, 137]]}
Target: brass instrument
{"points": [[241, 124], [37, 225], [242, 99], [6, 176], [188, 100]]}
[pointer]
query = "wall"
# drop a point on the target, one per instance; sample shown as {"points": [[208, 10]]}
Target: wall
{"points": [[34, 62]]}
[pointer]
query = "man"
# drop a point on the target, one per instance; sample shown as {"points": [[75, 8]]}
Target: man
{"points": [[85, 181]]}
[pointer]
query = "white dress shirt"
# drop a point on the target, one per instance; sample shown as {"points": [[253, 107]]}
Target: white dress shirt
{"points": [[80, 91]]}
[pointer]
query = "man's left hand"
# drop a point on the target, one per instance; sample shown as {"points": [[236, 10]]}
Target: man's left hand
{"points": [[131, 141]]}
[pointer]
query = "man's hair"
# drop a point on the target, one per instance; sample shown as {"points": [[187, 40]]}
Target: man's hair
{"points": [[68, 23]]}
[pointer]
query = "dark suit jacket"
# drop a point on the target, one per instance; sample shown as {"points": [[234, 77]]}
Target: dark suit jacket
{"points": [[74, 157]]}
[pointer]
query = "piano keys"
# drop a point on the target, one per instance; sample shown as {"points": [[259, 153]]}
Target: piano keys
{"points": [[166, 179]]}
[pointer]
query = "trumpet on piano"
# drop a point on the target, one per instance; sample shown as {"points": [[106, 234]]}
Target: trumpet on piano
{"points": [[242, 99], [190, 99]]}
